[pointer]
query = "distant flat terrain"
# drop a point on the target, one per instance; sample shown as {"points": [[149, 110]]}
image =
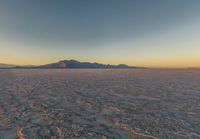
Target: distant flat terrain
{"points": [[99, 104]]}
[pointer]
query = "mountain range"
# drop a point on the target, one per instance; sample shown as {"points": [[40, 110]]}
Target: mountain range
{"points": [[78, 64], [74, 64]]}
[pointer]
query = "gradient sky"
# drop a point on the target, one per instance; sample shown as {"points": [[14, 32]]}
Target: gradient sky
{"points": [[154, 33]]}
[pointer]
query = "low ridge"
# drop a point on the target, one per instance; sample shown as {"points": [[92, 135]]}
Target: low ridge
{"points": [[78, 64]]}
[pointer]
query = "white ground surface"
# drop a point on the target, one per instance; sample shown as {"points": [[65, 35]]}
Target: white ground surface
{"points": [[85, 103]]}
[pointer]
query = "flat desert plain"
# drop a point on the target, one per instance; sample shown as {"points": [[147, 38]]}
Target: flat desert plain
{"points": [[99, 104]]}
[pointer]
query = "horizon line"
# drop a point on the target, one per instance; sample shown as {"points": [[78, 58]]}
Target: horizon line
{"points": [[149, 67]]}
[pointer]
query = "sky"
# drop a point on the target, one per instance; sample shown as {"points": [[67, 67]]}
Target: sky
{"points": [[152, 33]]}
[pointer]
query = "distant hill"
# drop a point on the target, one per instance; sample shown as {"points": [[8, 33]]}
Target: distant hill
{"points": [[71, 64], [7, 65], [78, 64]]}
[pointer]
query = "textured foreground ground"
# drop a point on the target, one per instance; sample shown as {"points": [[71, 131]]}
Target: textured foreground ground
{"points": [[99, 104]]}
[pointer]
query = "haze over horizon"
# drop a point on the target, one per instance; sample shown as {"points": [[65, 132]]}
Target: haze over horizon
{"points": [[133, 32]]}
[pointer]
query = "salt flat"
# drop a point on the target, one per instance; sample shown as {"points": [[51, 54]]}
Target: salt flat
{"points": [[99, 104]]}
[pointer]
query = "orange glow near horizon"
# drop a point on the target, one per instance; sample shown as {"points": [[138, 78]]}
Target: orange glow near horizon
{"points": [[152, 63], [156, 57]]}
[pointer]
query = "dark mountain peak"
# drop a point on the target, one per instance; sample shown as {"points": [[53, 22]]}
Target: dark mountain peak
{"points": [[71, 60], [77, 64]]}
